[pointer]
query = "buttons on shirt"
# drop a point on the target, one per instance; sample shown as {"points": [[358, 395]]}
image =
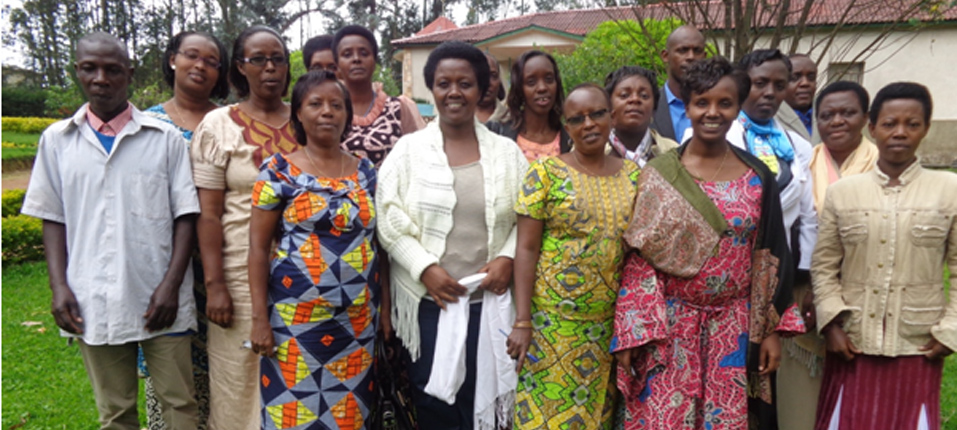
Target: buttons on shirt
{"points": [[880, 265]]}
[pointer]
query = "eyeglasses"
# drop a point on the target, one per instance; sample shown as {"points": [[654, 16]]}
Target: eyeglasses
{"points": [[580, 119], [259, 61], [194, 56]]}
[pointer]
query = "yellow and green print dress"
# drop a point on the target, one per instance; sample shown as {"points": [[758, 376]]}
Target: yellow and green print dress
{"points": [[570, 385]]}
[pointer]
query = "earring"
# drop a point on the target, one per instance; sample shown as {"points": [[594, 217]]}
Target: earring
{"points": [[173, 67]]}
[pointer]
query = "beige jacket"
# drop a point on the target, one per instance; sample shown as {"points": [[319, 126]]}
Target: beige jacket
{"points": [[880, 258]]}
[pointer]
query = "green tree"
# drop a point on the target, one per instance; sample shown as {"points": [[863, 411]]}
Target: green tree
{"points": [[614, 44]]}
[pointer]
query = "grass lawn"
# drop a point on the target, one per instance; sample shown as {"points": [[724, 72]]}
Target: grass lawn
{"points": [[25, 146], [20, 138], [45, 385], [44, 382], [19, 153]]}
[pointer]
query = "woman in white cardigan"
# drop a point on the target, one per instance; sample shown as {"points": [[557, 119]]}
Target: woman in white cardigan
{"points": [[445, 202]]}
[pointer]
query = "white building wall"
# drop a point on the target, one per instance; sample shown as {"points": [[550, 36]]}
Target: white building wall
{"points": [[928, 57]]}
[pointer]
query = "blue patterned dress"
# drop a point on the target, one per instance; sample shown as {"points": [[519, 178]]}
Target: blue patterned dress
{"points": [[323, 297]]}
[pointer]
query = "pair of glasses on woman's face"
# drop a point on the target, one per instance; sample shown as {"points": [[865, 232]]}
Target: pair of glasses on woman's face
{"points": [[580, 119], [260, 60], [194, 56]]}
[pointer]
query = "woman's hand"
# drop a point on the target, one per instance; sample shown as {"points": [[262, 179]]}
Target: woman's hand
{"points": [[441, 286], [838, 342], [627, 358], [770, 358], [936, 350], [499, 275], [261, 338], [808, 312], [517, 344], [219, 304]]}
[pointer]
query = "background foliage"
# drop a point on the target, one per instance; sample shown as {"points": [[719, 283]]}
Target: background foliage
{"points": [[616, 43]]}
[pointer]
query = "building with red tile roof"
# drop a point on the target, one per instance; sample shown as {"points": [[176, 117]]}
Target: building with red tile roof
{"points": [[922, 51]]}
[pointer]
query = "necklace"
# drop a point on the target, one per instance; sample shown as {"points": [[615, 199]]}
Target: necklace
{"points": [[178, 114], [720, 166], [342, 165], [582, 165]]}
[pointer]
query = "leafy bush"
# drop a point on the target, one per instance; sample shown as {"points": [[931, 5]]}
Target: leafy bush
{"points": [[12, 202], [22, 238], [614, 44], [31, 125], [25, 101], [64, 102], [150, 95]]}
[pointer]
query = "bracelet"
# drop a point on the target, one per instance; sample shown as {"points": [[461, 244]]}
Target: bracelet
{"points": [[522, 324]]}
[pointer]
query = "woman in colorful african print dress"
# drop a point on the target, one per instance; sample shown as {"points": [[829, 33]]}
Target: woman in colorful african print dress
{"points": [[380, 120], [572, 212], [706, 294], [317, 301], [194, 66], [227, 149]]}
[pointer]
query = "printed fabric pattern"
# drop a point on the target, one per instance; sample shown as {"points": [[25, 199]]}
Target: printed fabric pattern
{"points": [[573, 302], [323, 298], [374, 135], [693, 333]]}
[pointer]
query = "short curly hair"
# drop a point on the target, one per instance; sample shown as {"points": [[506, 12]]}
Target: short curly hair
{"points": [[458, 51], [902, 90], [314, 45], [844, 86], [624, 72], [703, 75], [589, 86], [239, 48], [221, 90], [299, 91], [354, 30], [760, 56]]}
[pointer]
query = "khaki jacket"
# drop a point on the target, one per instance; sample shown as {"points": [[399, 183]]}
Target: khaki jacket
{"points": [[880, 257]]}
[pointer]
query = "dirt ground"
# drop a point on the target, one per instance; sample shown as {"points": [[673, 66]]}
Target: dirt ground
{"points": [[17, 179]]}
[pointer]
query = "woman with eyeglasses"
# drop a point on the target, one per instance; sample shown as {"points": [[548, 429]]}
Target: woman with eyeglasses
{"points": [[534, 102], [572, 210], [379, 119], [195, 65], [227, 150]]}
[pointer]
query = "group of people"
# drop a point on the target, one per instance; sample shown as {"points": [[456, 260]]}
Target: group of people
{"points": [[548, 260]]}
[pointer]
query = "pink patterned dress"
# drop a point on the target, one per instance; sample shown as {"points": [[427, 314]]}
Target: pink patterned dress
{"points": [[702, 380]]}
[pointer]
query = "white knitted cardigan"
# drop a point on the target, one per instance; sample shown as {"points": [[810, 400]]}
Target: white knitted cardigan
{"points": [[414, 201]]}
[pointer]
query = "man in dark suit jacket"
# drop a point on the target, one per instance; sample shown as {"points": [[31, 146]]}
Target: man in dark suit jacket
{"points": [[684, 46]]}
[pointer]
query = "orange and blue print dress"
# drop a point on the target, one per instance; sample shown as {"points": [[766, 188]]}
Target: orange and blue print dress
{"points": [[323, 298]]}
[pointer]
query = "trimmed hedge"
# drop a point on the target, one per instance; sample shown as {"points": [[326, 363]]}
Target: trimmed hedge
{"points": [[22, 235], [31, 125], [12, 201], [22, 239]]}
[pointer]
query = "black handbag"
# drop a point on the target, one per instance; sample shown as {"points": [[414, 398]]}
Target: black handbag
{"points": [[393, 407]]}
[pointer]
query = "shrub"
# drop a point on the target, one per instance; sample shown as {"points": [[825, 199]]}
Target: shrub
{"points": [[12, 202], [30, 125], [614, 44], [26, 101], [22, 239]]}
